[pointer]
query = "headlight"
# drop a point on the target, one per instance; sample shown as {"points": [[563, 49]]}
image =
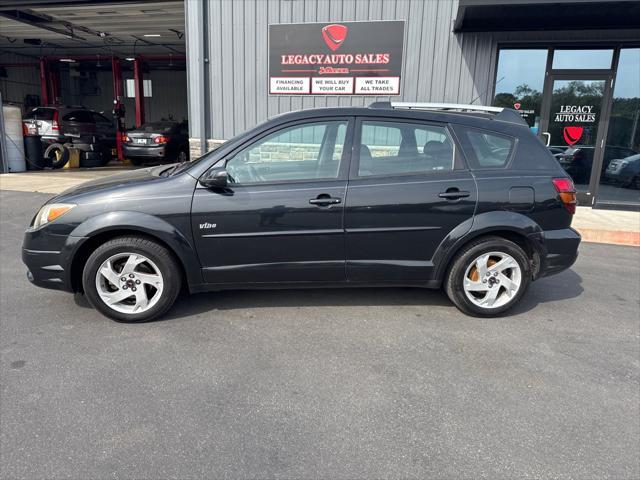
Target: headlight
{"points": [[48, 213]]}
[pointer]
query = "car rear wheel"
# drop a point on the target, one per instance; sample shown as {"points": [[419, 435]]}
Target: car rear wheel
{"points": [[182, 156], [488, 277], [131, 279]]}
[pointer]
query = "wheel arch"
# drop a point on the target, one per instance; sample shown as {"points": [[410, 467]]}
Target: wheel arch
{"points": [[98, 230], [512, 226]]}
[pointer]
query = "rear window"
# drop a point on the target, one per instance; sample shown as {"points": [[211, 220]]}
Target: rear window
{"points": [[156, 127], [490, 150], [82, 116], [40, 114]]}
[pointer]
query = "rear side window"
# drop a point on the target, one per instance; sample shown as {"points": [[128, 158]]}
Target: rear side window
{"points": [[490, 150], [395, 148]]}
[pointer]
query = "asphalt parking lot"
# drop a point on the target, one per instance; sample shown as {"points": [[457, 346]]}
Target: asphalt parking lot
{"points": [[351, 383]]}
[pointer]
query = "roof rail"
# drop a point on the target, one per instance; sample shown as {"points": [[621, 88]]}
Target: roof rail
{"points": [[446, 106], [503, 114]]}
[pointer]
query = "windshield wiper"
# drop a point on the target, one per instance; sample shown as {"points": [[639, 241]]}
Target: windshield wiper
{"points": [[167, 172]]}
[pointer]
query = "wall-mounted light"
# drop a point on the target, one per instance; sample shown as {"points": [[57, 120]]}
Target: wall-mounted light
{"points": [[68, 60]]}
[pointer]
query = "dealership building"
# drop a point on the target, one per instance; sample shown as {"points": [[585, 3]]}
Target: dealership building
{"points": [[571, 68]]}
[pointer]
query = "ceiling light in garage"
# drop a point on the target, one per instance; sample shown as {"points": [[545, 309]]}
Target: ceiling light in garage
{"points": [[67, 60], [152, 35]]}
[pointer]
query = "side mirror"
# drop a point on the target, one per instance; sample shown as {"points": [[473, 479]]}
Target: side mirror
{"points": [[219, 179], [547, 138]]}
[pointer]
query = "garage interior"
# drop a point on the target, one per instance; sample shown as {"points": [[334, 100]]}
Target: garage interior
{"points": [[93, 54]]}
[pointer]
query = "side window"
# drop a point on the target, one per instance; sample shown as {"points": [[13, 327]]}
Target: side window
{"points": [[302, 152], [391, 148], [81, 116], [490, 150]]}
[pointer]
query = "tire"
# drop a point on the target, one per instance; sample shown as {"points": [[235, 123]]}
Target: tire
{"points": [[490, 295], [182, 156], [150, 271], [90, 159], [57, 154], [105, 154]]}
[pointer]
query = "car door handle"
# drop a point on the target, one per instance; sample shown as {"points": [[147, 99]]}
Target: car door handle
{"points": [[454, 194], [325, 200]]}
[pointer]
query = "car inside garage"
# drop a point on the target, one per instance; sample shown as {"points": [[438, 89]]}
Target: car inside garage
{"points": [[89, 72]]}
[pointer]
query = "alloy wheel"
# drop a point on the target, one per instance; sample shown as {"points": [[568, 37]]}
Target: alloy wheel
{"points": [[492, 280], [129, 283]]}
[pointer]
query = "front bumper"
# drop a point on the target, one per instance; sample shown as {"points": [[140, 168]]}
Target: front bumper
{"points": [[48, 258], [559, 251]]}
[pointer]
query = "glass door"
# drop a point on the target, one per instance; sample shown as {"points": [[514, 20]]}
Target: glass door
{"points": [[574, 116]]}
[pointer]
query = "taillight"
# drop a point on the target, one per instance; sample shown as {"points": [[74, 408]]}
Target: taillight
{"points": [[160, 139], [126, 138], [567, 192], [25, 130], [54, 124]]}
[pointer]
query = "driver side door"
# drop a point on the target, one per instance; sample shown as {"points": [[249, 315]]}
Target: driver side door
{"points": [[280, 218]]}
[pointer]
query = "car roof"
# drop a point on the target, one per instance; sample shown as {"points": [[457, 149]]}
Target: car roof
{"points": [[474, 119]]}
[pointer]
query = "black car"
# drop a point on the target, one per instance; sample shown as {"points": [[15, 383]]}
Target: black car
{"points": [[158, 142], [394, 194]]}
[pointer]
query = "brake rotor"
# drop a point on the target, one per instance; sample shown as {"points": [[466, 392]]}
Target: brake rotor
{"points": [[473, 273]]}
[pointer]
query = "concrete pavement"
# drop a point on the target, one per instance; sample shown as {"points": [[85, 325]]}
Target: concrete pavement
{"points": [[336, 383]]}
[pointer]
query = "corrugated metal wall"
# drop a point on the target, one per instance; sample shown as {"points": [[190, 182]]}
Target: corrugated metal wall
{"points": [[439, 65], [20, 81]]}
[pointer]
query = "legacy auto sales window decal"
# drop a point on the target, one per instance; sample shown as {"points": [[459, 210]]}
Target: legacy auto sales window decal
{"points": [[576, 113], [345, 58]]}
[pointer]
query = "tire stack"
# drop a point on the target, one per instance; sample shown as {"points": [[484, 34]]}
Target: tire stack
{"points": [[92, 153]]}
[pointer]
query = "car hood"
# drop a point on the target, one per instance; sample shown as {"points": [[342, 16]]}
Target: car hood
{"points": [[114, 183]]}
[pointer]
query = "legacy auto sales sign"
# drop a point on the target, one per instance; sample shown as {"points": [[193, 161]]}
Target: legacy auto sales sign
{"points": [[346, 58]]}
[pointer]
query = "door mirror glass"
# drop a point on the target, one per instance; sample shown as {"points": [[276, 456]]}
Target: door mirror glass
{"points": [[216, 179]]}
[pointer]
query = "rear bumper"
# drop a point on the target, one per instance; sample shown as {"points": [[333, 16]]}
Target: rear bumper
{"points": [[144, 152], [559, 251]]}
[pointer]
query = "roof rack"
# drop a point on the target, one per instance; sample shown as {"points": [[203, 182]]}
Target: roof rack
{"points": [[503, 114]]}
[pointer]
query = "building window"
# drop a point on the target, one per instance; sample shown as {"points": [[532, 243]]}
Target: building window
{"points": [[620, 179], [582, 59], [520, 81]]}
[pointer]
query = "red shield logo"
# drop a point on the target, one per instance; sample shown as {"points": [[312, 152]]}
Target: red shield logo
{"points": [[572, 134], [334, 35], [517, 105]]}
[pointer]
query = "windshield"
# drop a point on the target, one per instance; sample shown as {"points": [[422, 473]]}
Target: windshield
{"points": [[187, 165]]}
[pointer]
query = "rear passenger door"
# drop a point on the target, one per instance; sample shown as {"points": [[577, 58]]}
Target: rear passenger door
{"points": [[408, 189]]}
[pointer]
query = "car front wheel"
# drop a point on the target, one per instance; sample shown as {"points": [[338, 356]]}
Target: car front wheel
{"points": [[488, 277], [131, 279]]}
